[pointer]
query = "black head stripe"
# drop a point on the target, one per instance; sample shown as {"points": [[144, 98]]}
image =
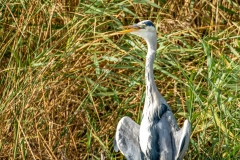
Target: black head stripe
{"points": [[147, 23]]}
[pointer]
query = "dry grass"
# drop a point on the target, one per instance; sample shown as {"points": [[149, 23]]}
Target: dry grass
{"points": [[66, 80]]}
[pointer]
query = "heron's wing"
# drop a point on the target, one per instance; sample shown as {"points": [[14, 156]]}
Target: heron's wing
{"points": [[173, 142], [126, 139], [166, 146], [182, 138]]}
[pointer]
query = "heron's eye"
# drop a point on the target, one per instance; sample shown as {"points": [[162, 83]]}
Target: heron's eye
{"points": [[143, 26]]}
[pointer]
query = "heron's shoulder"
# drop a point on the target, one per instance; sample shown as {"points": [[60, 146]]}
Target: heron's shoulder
{"points": [[160, 111]]}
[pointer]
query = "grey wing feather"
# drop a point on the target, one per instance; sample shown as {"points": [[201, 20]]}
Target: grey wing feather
{"points": [[173, 141], [165, 128], [126, 139], [182, 138]]}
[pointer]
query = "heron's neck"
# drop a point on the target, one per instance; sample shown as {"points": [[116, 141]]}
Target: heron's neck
{"points": [[149, 77]]}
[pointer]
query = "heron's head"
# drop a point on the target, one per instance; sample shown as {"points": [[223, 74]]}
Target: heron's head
{"points": [[144, 29]]}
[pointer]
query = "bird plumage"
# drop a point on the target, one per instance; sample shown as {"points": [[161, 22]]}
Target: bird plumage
{"points": [[158, 136], [128, 142]]}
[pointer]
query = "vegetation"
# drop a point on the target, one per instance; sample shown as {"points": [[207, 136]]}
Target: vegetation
{"points": [[66, 79]]}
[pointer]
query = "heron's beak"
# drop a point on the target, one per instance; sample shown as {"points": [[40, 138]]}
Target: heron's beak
{"points": [[128, 29]]}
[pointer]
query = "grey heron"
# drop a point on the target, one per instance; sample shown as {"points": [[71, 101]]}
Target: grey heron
{"points": [[158, 136]]}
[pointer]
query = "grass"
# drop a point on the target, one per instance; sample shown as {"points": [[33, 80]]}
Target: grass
{"points": [[66, 80]]}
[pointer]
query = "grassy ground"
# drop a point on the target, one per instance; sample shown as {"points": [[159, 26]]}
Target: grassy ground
{"points": [[66, 80]]}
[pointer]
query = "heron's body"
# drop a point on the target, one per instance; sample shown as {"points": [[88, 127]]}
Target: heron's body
{"points": [[158, 136]]}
